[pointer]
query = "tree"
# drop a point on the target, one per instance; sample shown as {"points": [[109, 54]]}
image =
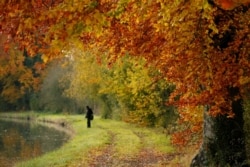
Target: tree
{"points": [[18, 78], [139, 90], [46, 26], [84, 76], [51, 96], [202, 47], [127, 89], [209, 65]]}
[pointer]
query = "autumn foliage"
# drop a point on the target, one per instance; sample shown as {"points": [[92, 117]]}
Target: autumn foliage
{"points": [[231, 4], [202, 47]]}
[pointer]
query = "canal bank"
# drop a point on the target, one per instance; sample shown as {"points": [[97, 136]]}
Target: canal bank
{"points": [[108, 143], [23, 140], [71, 153], [58, 122]]}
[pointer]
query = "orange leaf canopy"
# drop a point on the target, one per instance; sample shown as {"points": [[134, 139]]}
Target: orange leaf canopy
{"points": [[231, 4], [198, 46]]}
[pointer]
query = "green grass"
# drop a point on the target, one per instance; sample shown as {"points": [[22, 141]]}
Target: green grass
{"points": [[75, 151], [128, 140]]}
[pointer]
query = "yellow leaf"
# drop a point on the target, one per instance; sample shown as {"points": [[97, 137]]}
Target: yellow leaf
{"points": [[28, 23], [244, 80], [45, 58]]}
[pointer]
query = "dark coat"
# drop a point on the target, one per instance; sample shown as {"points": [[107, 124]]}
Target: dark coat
{"points": [[89, 114]]}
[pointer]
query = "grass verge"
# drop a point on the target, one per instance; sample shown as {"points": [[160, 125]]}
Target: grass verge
{"points": [[129, 139]]}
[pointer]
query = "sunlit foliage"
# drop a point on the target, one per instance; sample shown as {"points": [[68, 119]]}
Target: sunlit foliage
{"points": [[18, 78], [200, 46], [127, 89], [140, 90], [51, 95]]}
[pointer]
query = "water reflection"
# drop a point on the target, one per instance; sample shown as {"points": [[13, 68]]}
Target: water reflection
{"points": [[21, 141]]}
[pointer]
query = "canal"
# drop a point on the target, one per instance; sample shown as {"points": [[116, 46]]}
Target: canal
{"points": [[23, 140]]}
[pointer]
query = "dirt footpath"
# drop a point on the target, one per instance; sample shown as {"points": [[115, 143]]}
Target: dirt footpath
{"points": [[147, 157]]}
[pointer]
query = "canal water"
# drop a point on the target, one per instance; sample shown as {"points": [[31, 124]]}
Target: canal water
{"points": [[25, 140]]}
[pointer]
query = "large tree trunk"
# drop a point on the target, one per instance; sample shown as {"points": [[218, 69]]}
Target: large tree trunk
{"points": [[223, 140]]}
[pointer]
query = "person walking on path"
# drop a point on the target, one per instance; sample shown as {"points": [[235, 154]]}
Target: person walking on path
{"points": [[89, 116]]}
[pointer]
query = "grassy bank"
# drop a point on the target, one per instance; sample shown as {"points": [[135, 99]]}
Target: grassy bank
{"points": [[120, 141]]}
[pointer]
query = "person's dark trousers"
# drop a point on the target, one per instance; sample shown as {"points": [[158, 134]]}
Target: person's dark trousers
{"points": [[89, 123]]}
